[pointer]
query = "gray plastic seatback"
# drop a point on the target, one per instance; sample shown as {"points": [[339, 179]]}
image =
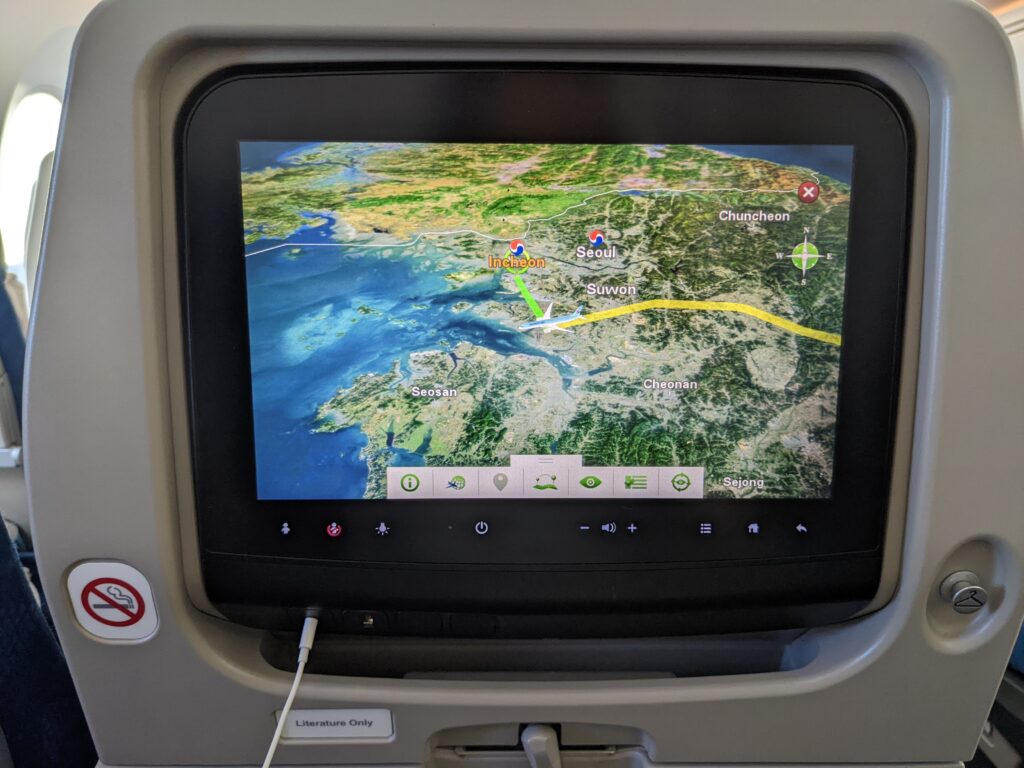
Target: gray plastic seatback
{"points": [[108, 463]]}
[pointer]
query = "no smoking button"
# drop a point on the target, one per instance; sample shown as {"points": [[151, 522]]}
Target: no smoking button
{"points": [[112, 601]]}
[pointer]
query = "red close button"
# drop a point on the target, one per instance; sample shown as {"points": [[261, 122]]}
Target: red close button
{"points": [[808, 192]]}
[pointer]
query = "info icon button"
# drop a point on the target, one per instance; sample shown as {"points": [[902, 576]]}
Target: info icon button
{"points": [[409, 483]]}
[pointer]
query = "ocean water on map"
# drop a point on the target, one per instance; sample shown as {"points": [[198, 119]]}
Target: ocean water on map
{"points": [[321, 316], [835, 160]]}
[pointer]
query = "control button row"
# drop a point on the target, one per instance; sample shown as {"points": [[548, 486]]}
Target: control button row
{"points": [[704, 528], [545, 477], [336, 530], [609, 528]]}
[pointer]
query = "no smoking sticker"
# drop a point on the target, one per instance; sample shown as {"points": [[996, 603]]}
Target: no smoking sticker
{"points": [[112, 601]]}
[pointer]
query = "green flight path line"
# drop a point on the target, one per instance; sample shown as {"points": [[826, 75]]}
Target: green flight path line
{"points": [[528, 297]]}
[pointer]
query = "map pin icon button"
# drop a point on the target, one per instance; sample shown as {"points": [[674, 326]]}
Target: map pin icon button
{"points": [[500, 481]]}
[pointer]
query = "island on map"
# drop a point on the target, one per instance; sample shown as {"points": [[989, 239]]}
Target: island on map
{"points": [[457, 304]]}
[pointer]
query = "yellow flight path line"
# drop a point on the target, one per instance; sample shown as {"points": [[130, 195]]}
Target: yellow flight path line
{"points": [[712, 306]]}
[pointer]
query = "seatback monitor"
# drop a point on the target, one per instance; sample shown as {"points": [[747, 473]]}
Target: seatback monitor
{"points": [[460, 341]]}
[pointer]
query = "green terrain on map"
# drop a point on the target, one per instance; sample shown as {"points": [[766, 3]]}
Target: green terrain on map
{"points": [[763, 398]]}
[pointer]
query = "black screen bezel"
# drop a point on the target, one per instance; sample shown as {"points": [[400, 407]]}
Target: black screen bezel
{"points": [[470, 103]]}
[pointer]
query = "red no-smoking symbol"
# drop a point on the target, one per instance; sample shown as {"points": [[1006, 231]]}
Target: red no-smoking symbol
{"points": [[808, 192], [113, 602]]}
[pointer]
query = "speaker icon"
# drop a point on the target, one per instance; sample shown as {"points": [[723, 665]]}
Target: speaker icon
{"points": [[609, 527]]}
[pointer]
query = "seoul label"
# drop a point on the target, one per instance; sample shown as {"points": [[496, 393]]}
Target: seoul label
{"points": [[599, 248]]}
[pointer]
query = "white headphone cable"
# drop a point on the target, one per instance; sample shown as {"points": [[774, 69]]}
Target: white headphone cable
{"points": [[305, 646]]}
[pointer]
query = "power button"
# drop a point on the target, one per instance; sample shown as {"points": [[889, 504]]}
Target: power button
{"points": [[481, 528]]}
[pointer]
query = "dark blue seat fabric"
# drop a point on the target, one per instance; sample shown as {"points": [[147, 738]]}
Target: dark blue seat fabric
{"points": [[1017, 658], [12, 344], [40, 715]]}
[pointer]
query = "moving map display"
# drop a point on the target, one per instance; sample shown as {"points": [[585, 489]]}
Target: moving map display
{"points": [[531, 321]]}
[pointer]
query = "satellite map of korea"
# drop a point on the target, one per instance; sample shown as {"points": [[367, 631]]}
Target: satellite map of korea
{"points": [[457, 304]]}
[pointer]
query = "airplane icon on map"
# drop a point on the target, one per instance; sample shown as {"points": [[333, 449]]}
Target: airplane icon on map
{"points": [[547, 323]]}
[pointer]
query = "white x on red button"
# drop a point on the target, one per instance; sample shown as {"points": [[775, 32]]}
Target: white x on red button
{"points": [[808, 192]]}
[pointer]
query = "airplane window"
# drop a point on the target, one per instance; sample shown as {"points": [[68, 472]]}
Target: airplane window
{"points": [[1011, 16], [29, 135]]}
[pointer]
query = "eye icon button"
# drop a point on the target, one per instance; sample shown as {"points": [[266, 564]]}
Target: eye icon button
{"points": [[590, 482]]}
